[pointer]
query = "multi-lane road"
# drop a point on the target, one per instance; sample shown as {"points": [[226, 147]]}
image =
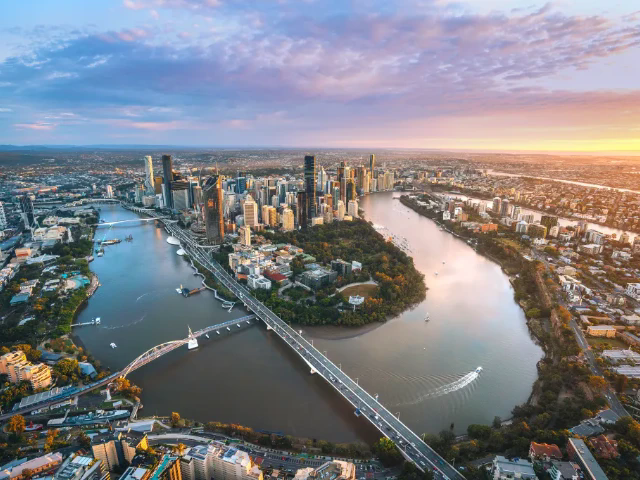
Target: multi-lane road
{"points": [[388, 424]]}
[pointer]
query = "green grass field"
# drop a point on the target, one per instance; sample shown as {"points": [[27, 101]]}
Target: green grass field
{"points": [[366, 291]]}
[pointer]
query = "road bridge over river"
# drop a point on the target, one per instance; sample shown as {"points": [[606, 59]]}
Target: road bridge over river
{"points": [[411, 445]]}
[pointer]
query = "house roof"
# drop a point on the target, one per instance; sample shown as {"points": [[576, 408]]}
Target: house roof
{"points": [[545, 449]]}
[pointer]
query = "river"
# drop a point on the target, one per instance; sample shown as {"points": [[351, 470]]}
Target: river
{"points": [[252, 378]]}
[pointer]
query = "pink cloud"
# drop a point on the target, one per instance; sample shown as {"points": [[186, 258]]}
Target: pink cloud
{"points": [[36, 126]]}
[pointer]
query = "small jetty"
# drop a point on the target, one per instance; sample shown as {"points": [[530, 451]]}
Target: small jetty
{"points": [[185, 292]]}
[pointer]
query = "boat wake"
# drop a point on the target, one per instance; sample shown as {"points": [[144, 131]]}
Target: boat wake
{"points": [[127, 325], [458, 384]]}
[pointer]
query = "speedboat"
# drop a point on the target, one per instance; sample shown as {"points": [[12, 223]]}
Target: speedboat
{"points": [[97, 321], [112, 345], [478, 370]]}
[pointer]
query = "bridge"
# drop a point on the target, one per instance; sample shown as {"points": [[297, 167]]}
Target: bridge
{"points": [[164, 348], [143, 220], [410, 444], [229, 326]]}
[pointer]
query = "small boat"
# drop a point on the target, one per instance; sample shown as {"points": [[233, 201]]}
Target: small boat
{"points": [[179, 290], [478, 370], [206, 335], [443, 262], [436, 273], [112, 345], [218, 332], [97, 320]]}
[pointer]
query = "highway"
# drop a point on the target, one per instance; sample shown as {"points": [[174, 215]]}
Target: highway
{"points": [[410, 444]]}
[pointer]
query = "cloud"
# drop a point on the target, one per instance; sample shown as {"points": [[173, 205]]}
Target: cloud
{"points": [[5, 110], [346, 66], [35, 126]]}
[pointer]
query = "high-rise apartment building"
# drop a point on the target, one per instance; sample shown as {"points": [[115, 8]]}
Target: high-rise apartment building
{"points": [[213, 214], [3, 217], [288, 220], [26, 207], [149, 183], [244, 234], [167, 172], [353, 208], [310, 184], [250, 212], [340, 208], [16, 366]]}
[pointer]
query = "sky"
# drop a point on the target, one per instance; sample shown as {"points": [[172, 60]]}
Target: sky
{"points": [[504, 75]]}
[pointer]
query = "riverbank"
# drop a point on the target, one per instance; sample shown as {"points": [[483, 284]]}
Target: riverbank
{"points": [[568, 218]]}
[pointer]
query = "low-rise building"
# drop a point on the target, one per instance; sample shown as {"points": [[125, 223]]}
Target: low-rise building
{"points": [[505, 469], [544, 452], [579, 453], [318, 278], [565, 471], [81, 467], [604, 447], [601, 331], [633, 290], [255, 281], [33, 466]]}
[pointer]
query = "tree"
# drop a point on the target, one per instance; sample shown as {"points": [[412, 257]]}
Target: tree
{"points": [[497, 422], [17, 424], [83, 440], [387, 452], [175, 419], [597, 383], [51, 440]]}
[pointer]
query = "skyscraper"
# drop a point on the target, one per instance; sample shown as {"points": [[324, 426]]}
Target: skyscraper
{"points": [[26, 207], [287, 220], [213, 216], [3, 217], [148, 176], [310, 184], [372, 163], [167, 171], [322, 180], [250, 212], [301, 209]]}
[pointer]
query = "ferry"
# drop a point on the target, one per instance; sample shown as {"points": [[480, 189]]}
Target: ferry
{"points": [[478, 370], [112, 345]]}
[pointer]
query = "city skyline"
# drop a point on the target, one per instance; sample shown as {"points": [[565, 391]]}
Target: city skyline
{"points": [[487, 76]]}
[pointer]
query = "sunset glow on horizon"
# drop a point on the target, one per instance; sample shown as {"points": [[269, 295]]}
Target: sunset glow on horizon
{"points": [[496, 75]]}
